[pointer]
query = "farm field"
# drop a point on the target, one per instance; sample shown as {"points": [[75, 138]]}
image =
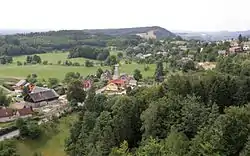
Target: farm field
{"points": [[59, 71], [48, 146]]}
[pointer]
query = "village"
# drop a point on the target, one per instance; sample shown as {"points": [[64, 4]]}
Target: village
{"points": [[44, 102]]}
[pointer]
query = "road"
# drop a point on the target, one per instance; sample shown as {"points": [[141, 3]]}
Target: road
{"points": [[10, 135]]}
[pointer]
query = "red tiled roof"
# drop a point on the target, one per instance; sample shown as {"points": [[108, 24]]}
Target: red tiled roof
{"points": [[6, 112], [25, 111], [117, 81]]}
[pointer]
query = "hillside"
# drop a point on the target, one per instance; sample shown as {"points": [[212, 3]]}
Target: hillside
{"points": [[212, 36], [145, 32]]}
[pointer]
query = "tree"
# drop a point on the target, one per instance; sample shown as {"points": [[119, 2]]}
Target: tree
{"points": [[226, 135], [122, 151], [45, 62], [25, 91], [103, 134], [89, 63], [99, 72], [59, 62], [8, 148], [188, 65], [159, 72], [126, 121], [71, 76], [120, 55], [37, 59], [53, 82], [28, 129], [111, 60], [29, 59], [137, 74], [19, 63], [240, 38], [75, 91], [4, 99]]}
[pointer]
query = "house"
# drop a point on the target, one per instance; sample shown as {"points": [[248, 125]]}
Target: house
{"points": [[124, 77], [140, 55], [162, 53], [19, 85], [36, 89], [6, 114], [237, 49], [222, 52], [41, 97], [234, 44], [132, 83], [118, 82], [246, 47], [147, 55], [112, 87], [87, 84], [183, 48], [24, 112]]}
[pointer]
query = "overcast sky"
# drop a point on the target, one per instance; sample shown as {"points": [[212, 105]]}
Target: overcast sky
{"points": [[194, 15]]}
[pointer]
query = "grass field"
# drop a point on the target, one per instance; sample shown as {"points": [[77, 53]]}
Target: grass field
{"points": [[59, 71], [52, 146], [52, 58]]}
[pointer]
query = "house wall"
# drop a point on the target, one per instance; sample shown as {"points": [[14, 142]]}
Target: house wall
{"points": [[41, 104], [25, 116], [6, 119]]}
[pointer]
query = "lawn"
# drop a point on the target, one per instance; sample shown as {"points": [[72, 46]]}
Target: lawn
{"points": [[52, 146]]}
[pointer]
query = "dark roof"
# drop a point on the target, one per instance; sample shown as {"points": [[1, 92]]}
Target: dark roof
{"points": [[6, 112], [25, 111], [45, 95]]}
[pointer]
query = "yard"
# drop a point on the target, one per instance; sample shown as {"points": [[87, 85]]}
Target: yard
{"points": [[48, 146]]}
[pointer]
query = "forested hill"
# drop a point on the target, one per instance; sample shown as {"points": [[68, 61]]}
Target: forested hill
{"points": [[145, 32], [41, 42]]}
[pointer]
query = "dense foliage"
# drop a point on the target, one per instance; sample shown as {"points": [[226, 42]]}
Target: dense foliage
{"points": [[8, 148], [89, 52], [4, 99], [202, 113], [28, 129]]}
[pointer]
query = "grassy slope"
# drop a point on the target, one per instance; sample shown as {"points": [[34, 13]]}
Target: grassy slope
{"points": [[53, 146], [58, 71]]}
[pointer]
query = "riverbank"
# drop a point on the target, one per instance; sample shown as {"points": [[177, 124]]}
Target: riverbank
{"points": [[51, 144]]}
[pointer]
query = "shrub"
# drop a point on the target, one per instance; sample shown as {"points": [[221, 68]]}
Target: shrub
{"points": [[8, 87], [19, 63]]}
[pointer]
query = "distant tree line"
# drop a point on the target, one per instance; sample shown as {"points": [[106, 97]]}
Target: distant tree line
{"points": [[6, 59], [89, 52], [35, 43]]}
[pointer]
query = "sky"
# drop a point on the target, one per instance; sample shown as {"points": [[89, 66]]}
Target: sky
{"points": [[192, 15]]}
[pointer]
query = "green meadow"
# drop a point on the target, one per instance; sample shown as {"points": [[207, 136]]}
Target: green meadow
{"points": [[59, 71]]}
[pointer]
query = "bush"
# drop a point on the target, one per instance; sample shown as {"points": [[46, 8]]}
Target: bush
{"points": [[76, 64], [8, 87], [19, 63], [89, 63], [45, 62], [59, 62]]}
